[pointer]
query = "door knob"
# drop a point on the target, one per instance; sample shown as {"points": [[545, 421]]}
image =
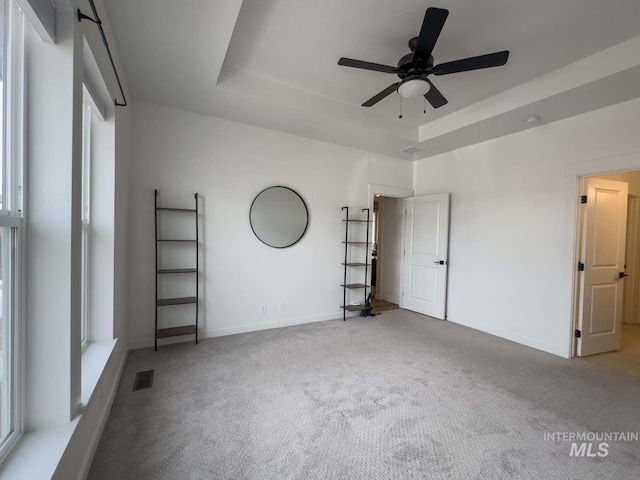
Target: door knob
{"points": [[440, 262], [622, 275]]}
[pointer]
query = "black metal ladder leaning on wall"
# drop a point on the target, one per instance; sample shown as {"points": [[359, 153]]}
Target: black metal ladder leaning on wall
{"points": [[191, 329], [348, 263]]}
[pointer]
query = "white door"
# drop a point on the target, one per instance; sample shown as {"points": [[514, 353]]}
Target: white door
{"points": [[425, 254], [602, 283]]}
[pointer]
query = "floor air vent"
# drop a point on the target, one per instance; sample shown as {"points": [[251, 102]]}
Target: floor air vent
{"points": [[143, 380]]}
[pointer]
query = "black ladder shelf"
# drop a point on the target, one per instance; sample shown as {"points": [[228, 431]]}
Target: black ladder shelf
{"points": [[164, 302], [363, 307]]}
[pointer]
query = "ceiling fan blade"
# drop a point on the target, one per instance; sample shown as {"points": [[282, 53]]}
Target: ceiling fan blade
{"points": [[376, 67], [383, 94], [473, 63], [432, 25], [434, 97]]}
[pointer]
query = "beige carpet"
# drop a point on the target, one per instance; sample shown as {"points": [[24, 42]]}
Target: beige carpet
{"points": [[397, 396]]}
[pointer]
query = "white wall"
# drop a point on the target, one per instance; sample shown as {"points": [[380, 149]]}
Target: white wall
{"points": [[52, 216], [512, 222], [121, 235], [228, 163], [391, 219]]}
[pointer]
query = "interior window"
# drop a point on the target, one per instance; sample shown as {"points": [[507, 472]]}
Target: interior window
{"points": [[86, 218], [11, 39]]}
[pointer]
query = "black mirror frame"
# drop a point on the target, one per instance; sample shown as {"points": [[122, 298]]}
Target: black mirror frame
{"points": [[306, 209]]}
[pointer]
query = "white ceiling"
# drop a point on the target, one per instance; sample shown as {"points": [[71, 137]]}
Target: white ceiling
{"points": [[280, 70]]}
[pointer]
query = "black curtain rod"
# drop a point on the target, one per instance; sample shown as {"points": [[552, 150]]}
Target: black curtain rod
{"points": [[96, 19]]}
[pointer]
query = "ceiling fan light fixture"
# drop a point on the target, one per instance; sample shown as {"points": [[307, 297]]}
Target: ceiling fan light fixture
{"points": [[414, 87]]}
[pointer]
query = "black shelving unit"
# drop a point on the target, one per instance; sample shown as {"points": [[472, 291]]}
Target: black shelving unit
{"points": [[191, 329], [349, 263]]}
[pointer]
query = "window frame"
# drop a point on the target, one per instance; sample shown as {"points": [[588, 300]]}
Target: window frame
{"points": [[85, 290], [12, 209]]}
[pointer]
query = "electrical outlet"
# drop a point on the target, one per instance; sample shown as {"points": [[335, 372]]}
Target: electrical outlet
{"points": [[263, 309], [283, 307]]}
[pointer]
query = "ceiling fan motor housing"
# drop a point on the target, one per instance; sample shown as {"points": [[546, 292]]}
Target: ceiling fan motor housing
{"points": [[408, 68]]}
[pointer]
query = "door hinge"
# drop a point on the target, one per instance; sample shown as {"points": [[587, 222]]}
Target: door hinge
{"points": [[578, 333], [583, 199], [580, 267]]}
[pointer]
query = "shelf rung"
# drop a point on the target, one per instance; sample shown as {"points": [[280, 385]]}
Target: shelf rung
{"points": [[176, 270], [358, 221], [357, 264], [355, 285], [352, 308], [187, 241], [358, 243], [165, 209], [176, 301], [176, 331]]}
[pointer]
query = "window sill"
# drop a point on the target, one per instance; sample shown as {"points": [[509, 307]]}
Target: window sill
{"points": [[94, 358], [48, 445], [38, 453]]}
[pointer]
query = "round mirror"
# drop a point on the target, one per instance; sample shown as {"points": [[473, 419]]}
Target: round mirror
{"points": [[279, 217]]}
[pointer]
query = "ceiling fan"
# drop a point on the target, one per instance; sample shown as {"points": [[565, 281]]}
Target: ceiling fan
{"points": [[414, 68]]}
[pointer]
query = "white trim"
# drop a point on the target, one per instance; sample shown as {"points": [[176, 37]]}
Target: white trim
{"points": [[603, 166], [38, 453], [13, 109], [42, 15], [12, 181], [10, 222], [94, 360], [49, 445], [394, 192], [387, 191], [92, 94], [252, 327], [573, 172], [104, 415], [85, 244], [514, 337]]}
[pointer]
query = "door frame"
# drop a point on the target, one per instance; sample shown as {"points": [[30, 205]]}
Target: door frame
{"points": [[393, 192], [633, 239], [573, 174], [582, 244]]}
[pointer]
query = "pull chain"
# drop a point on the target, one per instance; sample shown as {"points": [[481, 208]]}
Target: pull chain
{"points": [[425, 105], [400, 107]]}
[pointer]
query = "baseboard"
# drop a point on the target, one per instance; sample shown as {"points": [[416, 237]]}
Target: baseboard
{"points": [[252, 327], [514, 337], [97, 434]]}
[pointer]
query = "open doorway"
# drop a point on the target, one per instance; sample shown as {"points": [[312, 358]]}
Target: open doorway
{"points": [[386, 274], [422, 235], [608, 286]]}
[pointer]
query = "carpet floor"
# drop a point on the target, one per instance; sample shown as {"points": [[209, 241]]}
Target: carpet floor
{"points": [[399, 395]]}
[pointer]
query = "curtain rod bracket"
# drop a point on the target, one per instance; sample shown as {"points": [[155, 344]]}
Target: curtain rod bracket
{"points": [[82, 16]]}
